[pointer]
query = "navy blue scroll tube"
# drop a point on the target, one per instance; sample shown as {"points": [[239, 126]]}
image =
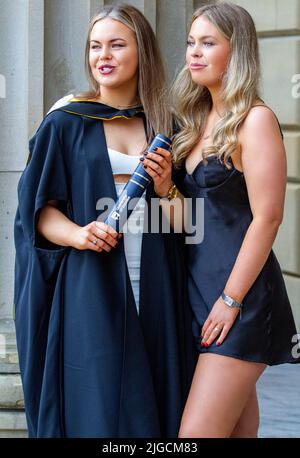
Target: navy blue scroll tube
{"points": [[134, 188]]}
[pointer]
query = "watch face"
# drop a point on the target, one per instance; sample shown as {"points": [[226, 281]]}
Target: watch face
{"points": [[230, 301]]}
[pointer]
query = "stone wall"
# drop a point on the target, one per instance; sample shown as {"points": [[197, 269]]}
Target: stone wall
{"points": [[278, 26]]}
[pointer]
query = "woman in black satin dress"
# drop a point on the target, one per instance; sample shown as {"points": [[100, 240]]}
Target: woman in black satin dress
{"points": [[230, 150]]}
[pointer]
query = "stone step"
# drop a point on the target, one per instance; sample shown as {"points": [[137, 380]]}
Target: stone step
{"points": [[17, 434], [7, 326], [10, 357], [10, 338], [8, 344], [13, 424], [12, 415], [11, 392], [9, 368]]}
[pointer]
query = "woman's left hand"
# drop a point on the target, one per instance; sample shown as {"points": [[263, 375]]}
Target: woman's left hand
{"points": [[159, 167], [218, 323]]}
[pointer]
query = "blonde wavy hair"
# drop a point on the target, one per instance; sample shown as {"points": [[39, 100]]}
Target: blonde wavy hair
{"points": [[152, 88], [191, 103]]}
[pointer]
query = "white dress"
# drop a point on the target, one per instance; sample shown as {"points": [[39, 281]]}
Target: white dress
{"points": [[133, 230]]}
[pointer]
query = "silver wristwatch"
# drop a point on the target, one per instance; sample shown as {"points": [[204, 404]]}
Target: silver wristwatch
{"points": [[232, 303]]}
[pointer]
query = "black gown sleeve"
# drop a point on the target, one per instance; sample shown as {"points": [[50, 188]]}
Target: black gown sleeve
{"points": [[43, 179], [39, 283]]}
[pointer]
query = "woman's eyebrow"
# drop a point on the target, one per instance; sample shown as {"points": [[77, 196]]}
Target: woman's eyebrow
{"points": [[114, 39], [203, 37]]}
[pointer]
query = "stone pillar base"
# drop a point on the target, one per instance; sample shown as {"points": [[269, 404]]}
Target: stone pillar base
{"points": [[12, 413]]}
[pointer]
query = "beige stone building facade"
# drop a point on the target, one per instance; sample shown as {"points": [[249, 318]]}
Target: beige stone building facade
{"points": [[41, 59]]}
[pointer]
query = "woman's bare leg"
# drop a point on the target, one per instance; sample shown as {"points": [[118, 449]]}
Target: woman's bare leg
{"points": [[248, 423], [219, 393]]}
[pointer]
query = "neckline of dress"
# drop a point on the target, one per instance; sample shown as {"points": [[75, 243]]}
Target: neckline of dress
{"points": [[212, 156], [123, 154], [198, 164]]}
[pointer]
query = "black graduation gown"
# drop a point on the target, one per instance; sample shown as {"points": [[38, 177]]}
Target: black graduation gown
{"points": [[90, 365]]}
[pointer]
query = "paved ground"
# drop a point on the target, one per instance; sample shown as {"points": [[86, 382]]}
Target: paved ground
{"points": [[279, 399]]}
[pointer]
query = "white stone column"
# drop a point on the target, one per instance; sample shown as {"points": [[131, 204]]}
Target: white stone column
{"points": [[21, 50], [172, 22], [66, 26]]}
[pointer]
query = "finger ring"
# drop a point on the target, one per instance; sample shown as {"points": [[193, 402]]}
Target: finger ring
{"points": [[216, 329], [95, 242]]}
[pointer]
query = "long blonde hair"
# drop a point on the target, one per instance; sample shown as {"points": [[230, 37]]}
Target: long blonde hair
{"points": [[152, 90], [191, 103]]}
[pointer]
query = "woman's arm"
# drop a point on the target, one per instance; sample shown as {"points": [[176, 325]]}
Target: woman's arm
{"points": [[264, 166], [159, 166], [57, 228], [175, 211]]}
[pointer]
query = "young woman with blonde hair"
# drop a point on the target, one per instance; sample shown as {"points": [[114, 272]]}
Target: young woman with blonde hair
{"points": [[229, 152]]}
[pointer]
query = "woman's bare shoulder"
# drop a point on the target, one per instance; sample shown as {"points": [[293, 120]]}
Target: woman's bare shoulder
{"points": [[259, 122]]}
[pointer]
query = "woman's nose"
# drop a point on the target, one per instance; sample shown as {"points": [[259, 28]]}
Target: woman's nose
{"points": [[105, 52], [196, 51]]}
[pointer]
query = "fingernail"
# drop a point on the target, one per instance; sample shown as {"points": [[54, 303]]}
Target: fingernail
{"points": [[155, 149], [206, 345], [142, 158], [218, 344], [145, 153]]}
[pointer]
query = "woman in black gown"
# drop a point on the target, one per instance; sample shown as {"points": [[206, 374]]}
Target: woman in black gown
{"points": [[92, 365], [230, 150]]}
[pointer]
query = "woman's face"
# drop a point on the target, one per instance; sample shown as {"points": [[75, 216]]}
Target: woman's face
{"points": [[207, 54], [113, 54]]}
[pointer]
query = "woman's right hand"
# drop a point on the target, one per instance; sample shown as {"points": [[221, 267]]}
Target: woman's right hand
{"points": [[104, 237]]}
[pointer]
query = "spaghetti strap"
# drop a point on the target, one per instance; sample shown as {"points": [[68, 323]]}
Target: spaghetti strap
{"points": [[266, 106]]}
